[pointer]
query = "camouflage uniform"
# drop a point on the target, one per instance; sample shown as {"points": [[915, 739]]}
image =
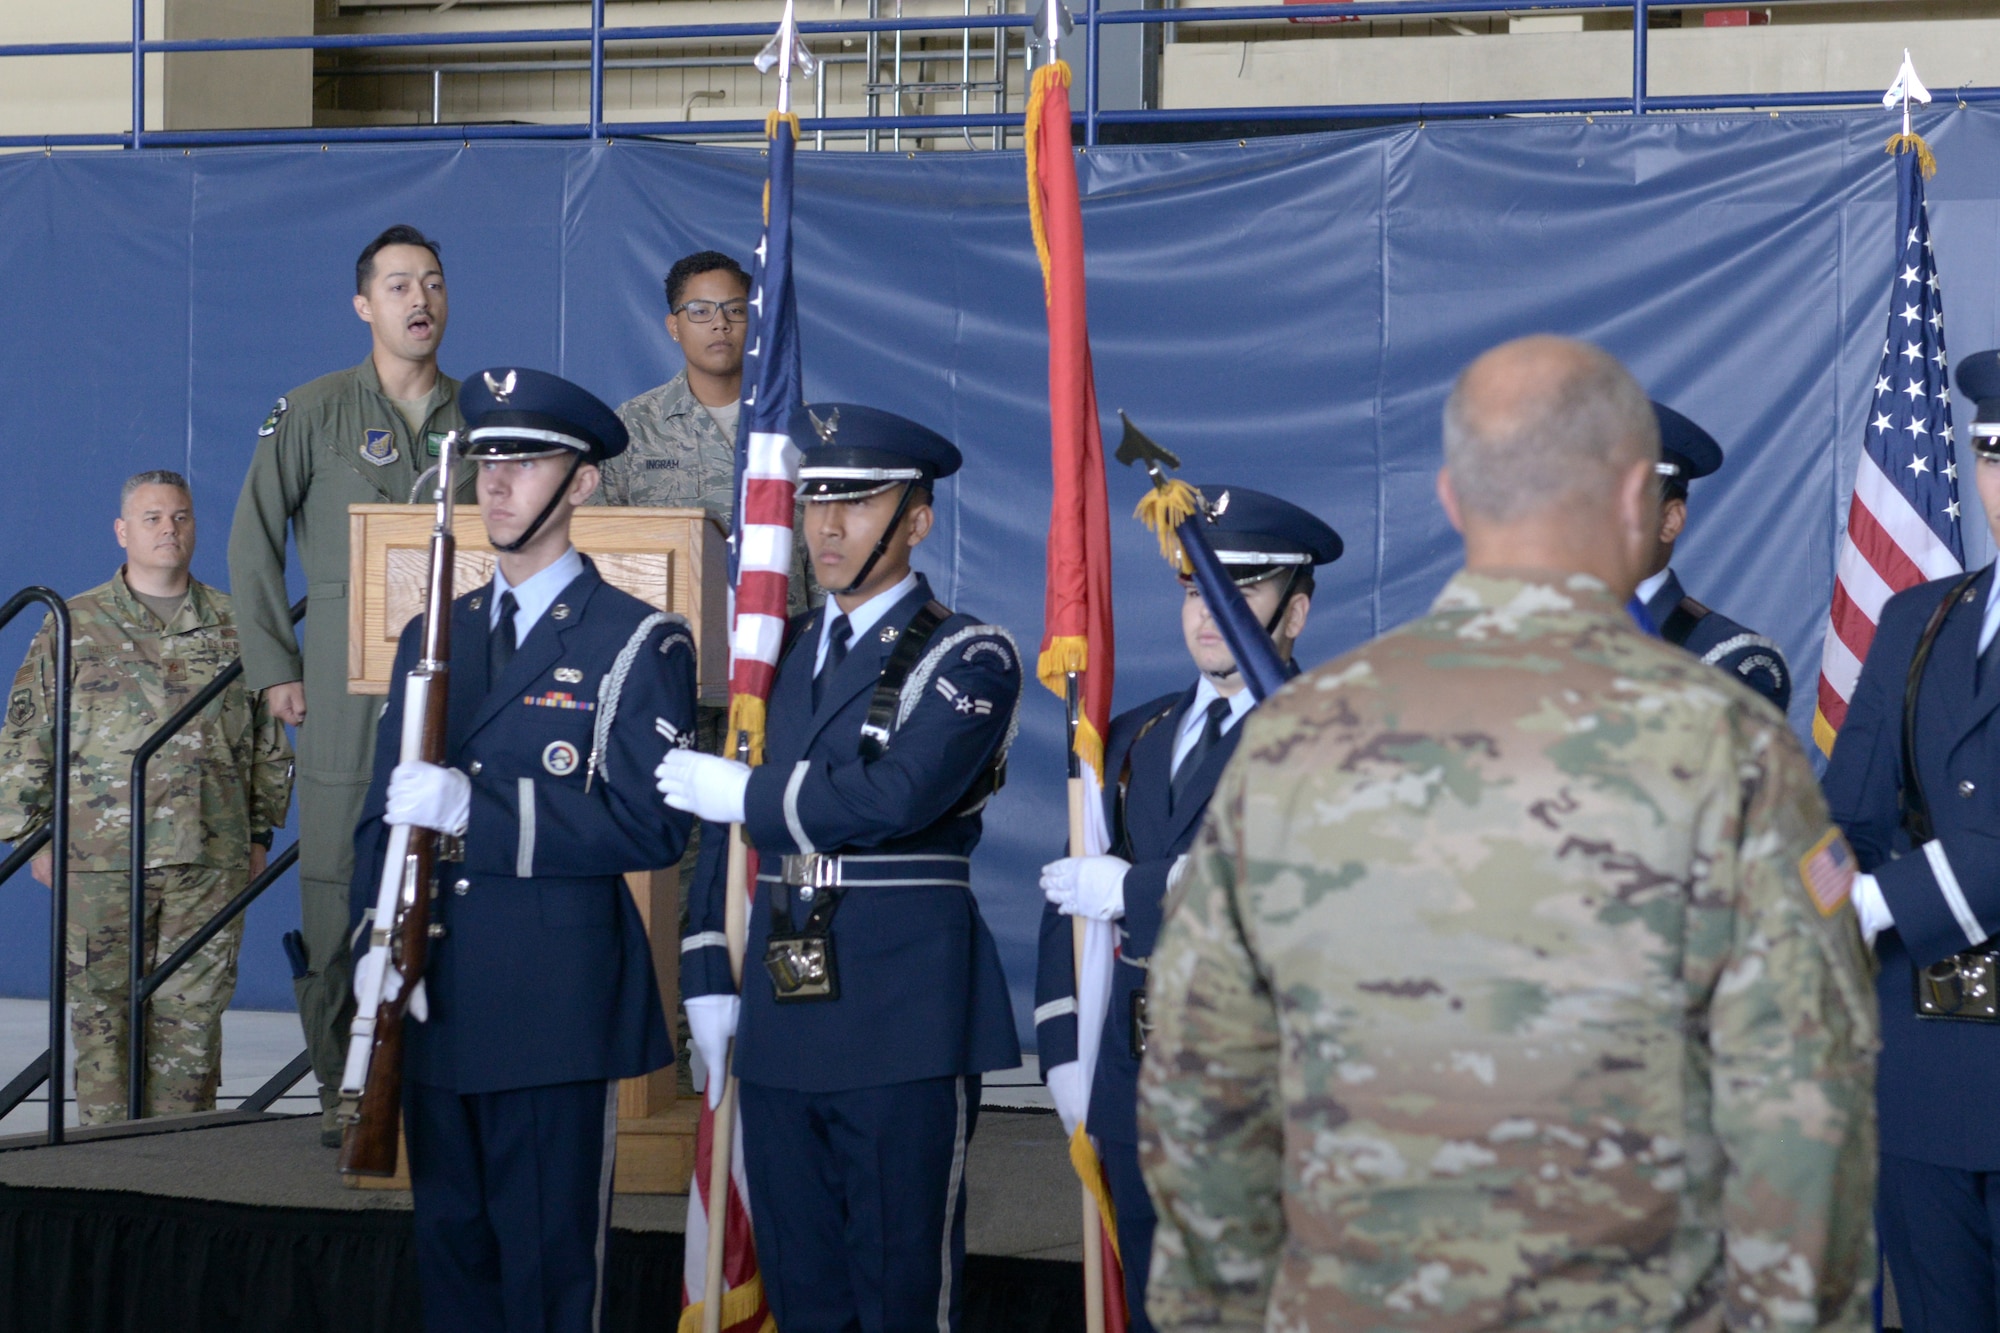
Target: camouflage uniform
{"points": [[1513, 984], [223, 780]]}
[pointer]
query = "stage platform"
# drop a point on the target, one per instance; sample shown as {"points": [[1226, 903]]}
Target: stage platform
{"points": [[239, 1222]]}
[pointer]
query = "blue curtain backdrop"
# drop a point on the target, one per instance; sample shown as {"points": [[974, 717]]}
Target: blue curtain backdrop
{"points": [[1287, 314]]}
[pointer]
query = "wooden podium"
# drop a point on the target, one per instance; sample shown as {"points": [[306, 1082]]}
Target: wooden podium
{"points": [[669, 558]]}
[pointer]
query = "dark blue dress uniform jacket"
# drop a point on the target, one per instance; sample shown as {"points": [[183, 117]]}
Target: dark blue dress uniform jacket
{"points": [[921, 990], [1938, 1082], [1727, 645], [1141, 743], [544, 974]]}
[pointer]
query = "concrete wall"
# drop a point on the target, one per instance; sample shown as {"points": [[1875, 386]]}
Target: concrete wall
{"points": [[1820, 57], [93, 94], [238, 89]]}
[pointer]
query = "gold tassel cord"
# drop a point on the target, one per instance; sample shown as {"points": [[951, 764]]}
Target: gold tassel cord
{"points": [[1914, 143], [1164, 509], [1083, 1160], [746, 714], [1047, 77]]}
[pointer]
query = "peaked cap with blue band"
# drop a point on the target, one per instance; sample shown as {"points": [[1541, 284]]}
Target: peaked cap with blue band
{"points": [[1256, 535], [849, 452], [1979, 379], [1686, 450], [517, 413]]}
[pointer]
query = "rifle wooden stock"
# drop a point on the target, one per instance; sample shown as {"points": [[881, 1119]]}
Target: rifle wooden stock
{"points": [[368, 1145]]}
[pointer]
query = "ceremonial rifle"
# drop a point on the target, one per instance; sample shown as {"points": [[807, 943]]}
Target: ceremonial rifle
{"points": [[389, 980]]}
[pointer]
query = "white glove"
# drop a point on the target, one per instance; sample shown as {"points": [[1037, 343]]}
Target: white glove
{"points": [[1071, 1097], [1087, 886], [712, 1022], [1872, 908], [707, 786], [428, 796]]}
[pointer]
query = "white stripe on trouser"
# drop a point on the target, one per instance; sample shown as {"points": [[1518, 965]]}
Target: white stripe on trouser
{"points": [[604, 1199], [1954, 896], [951, 1210]]}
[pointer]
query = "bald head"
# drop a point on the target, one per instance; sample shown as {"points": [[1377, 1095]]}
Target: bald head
{"points": [[1549, 447], [1544, 424]]}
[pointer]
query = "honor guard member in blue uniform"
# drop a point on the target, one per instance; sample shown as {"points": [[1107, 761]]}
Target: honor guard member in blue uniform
{"points": [[872, 993], [1915, 785], [1163, 759], [565, 692], [1687, 452]]}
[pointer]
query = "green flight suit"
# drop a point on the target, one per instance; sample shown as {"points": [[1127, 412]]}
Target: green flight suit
{"points": [[336, 442]]}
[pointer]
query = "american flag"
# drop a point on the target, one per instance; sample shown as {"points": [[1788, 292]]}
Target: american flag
{"points": [[760, 566], [767, 461], [1903, 522]]}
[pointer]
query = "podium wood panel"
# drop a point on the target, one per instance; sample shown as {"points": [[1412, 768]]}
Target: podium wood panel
{"points": [[671, 559]]}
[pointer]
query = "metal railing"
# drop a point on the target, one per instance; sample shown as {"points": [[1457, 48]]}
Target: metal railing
{"points": [[48, 1067], [144, 985], [1091, 20]]}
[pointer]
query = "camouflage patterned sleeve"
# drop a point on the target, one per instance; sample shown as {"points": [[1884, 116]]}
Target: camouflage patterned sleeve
{"points": [[1792, 1036], [27, 742], [1210, 1108], [270, 776]]}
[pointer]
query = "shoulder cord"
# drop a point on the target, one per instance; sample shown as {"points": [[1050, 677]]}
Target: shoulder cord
{"points": [[612, 685]]}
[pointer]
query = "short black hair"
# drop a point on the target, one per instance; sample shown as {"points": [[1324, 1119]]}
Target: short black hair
{"points": [[400, 234], [696, 264]]}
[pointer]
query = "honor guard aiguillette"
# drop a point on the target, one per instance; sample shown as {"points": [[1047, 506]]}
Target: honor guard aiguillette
{"points": [[1915, 784], [540, 990], [1688, 452], [872, 993], [1163, 758]]}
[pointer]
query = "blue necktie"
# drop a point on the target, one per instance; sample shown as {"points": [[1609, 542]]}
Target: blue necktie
{"points": [[1198, 753], [500, 647], [836, 652]]}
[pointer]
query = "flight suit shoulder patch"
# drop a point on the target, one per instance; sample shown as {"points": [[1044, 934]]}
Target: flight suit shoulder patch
{"points": [[278, 410]]}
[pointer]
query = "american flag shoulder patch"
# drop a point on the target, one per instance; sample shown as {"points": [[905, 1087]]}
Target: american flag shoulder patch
{"points": [[1828, 872]]}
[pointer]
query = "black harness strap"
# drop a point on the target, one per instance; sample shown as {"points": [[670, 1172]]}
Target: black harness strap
{"points": [[1681, 621], [882, 706], [916, 637], [1916, 809]]}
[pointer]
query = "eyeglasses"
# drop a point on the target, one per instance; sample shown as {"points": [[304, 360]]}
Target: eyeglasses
{"points": [[703, 312]]}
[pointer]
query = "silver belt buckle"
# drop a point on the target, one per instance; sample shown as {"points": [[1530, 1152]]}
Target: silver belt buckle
{"points": [[811, 872]]}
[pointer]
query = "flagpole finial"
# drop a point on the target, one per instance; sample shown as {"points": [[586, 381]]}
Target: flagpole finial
{"points": [[1052, 24], [1907, 88], [786, 51]]}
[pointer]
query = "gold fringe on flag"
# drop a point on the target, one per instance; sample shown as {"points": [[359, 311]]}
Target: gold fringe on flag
{"points": [[738, 1304], [1083, 1159], [1914, 143], [1164, 509], [746, 714], [1067, 653], [1047, 77]]}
